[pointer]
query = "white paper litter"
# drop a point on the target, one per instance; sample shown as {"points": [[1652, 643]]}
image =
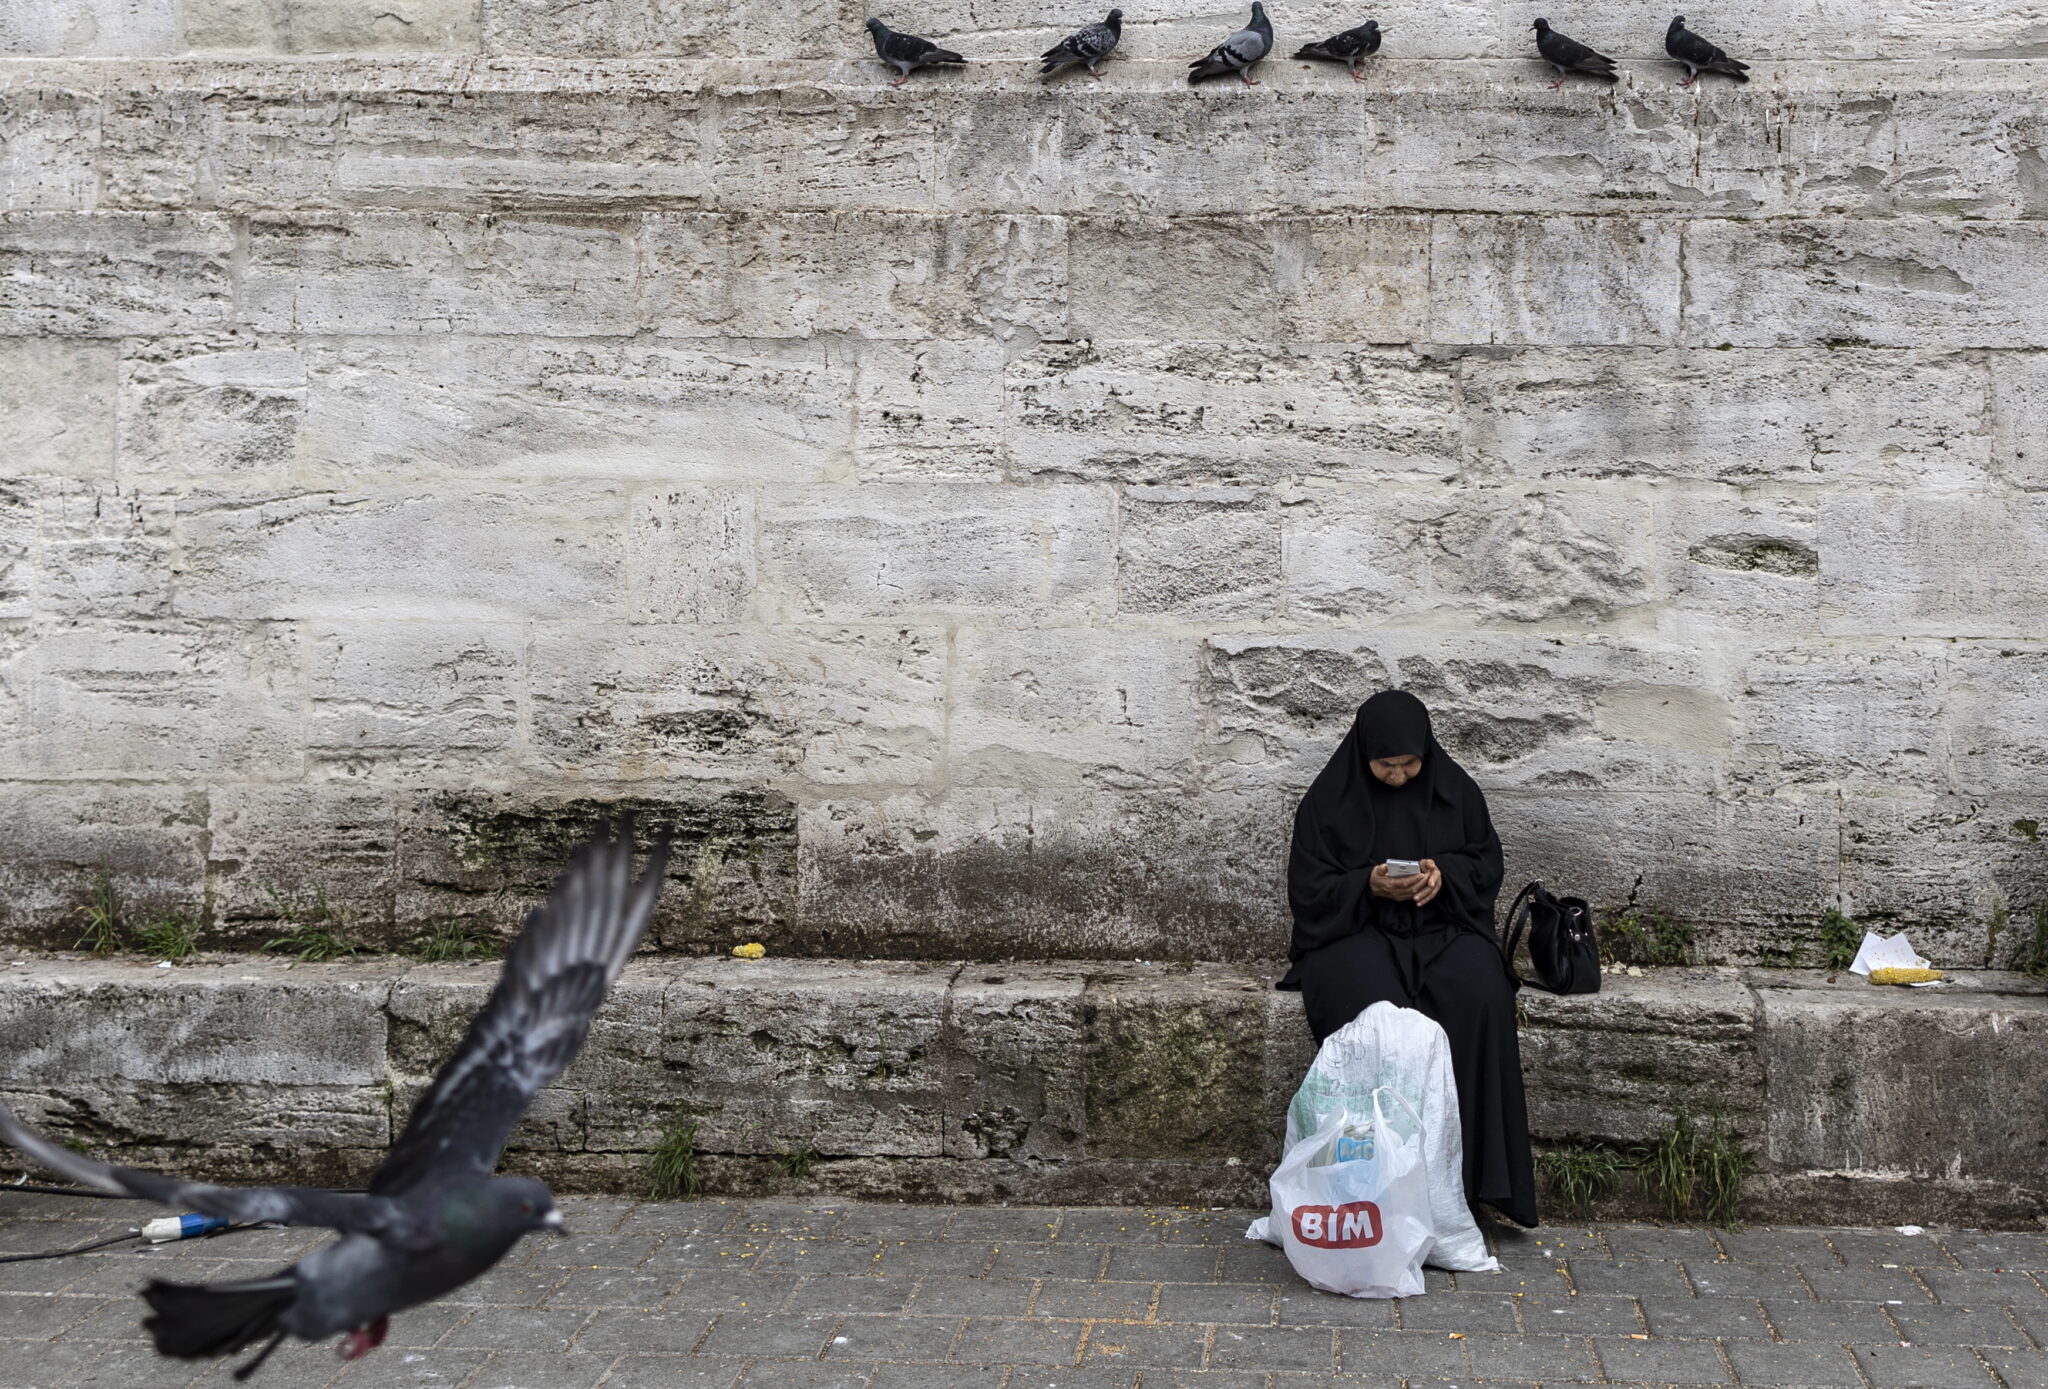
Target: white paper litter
{"points": [[1889, 952], [1909, 1229]]}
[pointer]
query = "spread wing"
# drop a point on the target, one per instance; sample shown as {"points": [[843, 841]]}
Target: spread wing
{"points": [[533, 1024], [283, 1205]]}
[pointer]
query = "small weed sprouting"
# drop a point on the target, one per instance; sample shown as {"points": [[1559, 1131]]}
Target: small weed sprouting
{"points": [[1839, 939], [672, 1166], [1645, 935], [453, 939], [2030, 956], [1690, 1172], [102, 916], [169, 936], [798, 1162], [1580, 1177], [315, 931]]}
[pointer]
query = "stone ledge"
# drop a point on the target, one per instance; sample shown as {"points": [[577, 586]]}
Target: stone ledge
{"points": [[1033, 1082]]}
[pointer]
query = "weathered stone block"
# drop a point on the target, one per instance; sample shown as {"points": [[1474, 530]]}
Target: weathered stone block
{"points": [[19, 522], [1014, 1042], [1040, 554], [57, 407], [1175, 1064], [90, 27], [1827, 716], [97, 275], [930, 410], [220, 404], [1618, 1065], [1892, 282], [304, 859], [176, 702], [429, 552], [771, 1055], [1192, 412], [679, 412], [1960, 873], [690, 554], [1995, 699], [2019, 404], [399, 273], [825, 148], [333, 26], [102, 552], [996, 873], [50, 156], [1857, 147], [627, 28], [1915, 1094], [1740, 563], [149, 840], [1071, 707], [412, 697], [1934, 565], [1555, 281], [835, 705], [1888, 418], [1198, 553]]}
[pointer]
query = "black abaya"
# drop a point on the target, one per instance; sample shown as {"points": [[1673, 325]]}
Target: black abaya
{"points": [[1351, 949]]}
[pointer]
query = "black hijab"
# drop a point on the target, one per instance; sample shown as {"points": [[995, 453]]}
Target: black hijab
{"points": [[1350, 822]]}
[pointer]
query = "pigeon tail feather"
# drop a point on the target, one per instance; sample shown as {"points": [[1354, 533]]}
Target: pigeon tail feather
{"points": [[943, 55], [196, 1320]]}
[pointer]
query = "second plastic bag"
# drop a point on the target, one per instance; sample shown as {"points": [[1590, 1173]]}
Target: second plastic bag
{"points": [[1351, 1202]]}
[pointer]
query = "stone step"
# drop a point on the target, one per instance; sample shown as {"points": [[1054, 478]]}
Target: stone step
{"points": [[1183, 29], [1819, 140], [1033, 1081]]}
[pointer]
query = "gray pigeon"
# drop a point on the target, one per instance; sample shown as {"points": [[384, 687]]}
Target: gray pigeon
{"points": [[1087, 46], [434, 1216], [1238, 52], [1350, 48], [1698, 55], [907, 52], [1569, 56]]}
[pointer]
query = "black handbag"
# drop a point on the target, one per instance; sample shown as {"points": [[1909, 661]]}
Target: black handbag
{"points": [[1562, 944]]}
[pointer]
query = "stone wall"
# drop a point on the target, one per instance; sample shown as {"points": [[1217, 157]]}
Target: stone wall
{"points": [[1039, 1082], [967, 515]]}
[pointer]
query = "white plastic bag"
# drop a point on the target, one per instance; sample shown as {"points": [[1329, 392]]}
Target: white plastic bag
{"points": [[1351, 1202], [1403, 1050]]}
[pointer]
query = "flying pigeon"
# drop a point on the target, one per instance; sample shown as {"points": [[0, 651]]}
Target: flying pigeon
{"points": [[907, 52], [1350, 48], [1238, 52], [1087, 46], [1698, 55], [434, 1216], [1569, 56]]}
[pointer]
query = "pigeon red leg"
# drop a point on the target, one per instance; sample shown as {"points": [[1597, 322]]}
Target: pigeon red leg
{"points": [[364, 1339], [901, 80]]}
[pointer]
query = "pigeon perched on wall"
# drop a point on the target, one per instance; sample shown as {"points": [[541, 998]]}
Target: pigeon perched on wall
{"points": [[907, 52], [1238, 52], [1698, 55], [1087, 46], [434, 1217], [1350, 48], [1569, 56]]}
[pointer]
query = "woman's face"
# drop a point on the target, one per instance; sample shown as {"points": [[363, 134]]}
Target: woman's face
{"points": [[1396, 771]]}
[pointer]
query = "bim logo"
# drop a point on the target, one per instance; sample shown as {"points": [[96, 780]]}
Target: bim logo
{"points": [[1352, 1226]]}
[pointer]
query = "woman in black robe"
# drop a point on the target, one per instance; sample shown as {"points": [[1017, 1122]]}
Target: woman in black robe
{"points": [[1425, 942]]}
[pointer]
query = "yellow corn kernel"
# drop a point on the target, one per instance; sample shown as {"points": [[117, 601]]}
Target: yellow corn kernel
{"points": [[752, 950], [1896, 975]]}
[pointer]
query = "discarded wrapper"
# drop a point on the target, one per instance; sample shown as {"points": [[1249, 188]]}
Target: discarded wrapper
{"points": [[1890, 952]]}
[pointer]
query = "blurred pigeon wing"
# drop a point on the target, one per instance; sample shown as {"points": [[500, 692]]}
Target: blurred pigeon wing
{"points": [[1570, 53], [241, 1205], [535, 1021]]}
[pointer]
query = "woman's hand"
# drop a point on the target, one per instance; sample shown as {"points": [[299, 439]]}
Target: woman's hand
{"points": [[1428, 883], [1396, 889]]}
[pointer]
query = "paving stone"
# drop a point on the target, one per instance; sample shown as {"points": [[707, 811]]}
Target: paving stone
{"points": [[672, 1218], [1066, 1297], [1049, 1261], [1549, 1358], [1305, 1306], [1458, 1312], [596, 1251], [1778, 1364], [527, 1370], [2020, 1369], [1404, 1353], [1984, 1288], [1204, 1379], [36, 1363], [735, 1252], [1787, 1245], [1921, 1367], [1944, 1325], [755, 1333], [1887, 1247], [1865, 1284], [1224, 1229], [805, 1374], [1004, 1226], [1273, 1348], [682, 1371], [1084, 1377], [966, 1260], [883, 1222], [630, 1331], [718, 1290], [1705, 1316], [1018, 1341], [1746, 1280], [1118, 1227], [843, 1293], [1168, 1264], [1660, 1362], [980, 1297], [1994, 1249], [805, 1256], [522, 1328], [1660, 1242], [1584, 1314], [1830, 1321], [610, 1287], [1118, 1344], [862, 1337], [1237, 1303], [938, 1377], [1636, 1278], [118, 1320], [25, 1314], [412, 1369], [1257, 1263]]}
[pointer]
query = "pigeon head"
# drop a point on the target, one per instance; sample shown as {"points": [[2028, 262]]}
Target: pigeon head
{"points": [[1678, 21], [1542, 26], [525, 1204], [493, 1215], [875, 26], [1115, 17], [1258, 10]]}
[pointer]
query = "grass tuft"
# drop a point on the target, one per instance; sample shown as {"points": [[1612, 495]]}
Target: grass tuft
{"points": [[1645, 935], [1691, 1172], [1580, 1177], [315, 931], [1839, 938], [672, 1166], [798, 1162], [169, 936], [453, 939], [102, 916], [2031, 956]]}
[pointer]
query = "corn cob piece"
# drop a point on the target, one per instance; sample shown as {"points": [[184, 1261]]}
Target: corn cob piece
{"points": [[1893, 974], [752, 950]]}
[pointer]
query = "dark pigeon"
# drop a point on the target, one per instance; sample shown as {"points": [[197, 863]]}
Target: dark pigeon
{"points": [[434, 1216], [1087, 46], [1238, 52], [1350, 48], [1698, 55], [1569, 56], [907, 52]]}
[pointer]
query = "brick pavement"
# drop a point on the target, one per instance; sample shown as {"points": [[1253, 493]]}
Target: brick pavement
{"points": [[715, 1294]]}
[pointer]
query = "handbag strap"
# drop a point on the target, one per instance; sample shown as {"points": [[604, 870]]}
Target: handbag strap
{"points": [[1519, 916]]}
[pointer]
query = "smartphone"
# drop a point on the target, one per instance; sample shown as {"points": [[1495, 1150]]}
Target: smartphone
{"points": [[1402, 867]]}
